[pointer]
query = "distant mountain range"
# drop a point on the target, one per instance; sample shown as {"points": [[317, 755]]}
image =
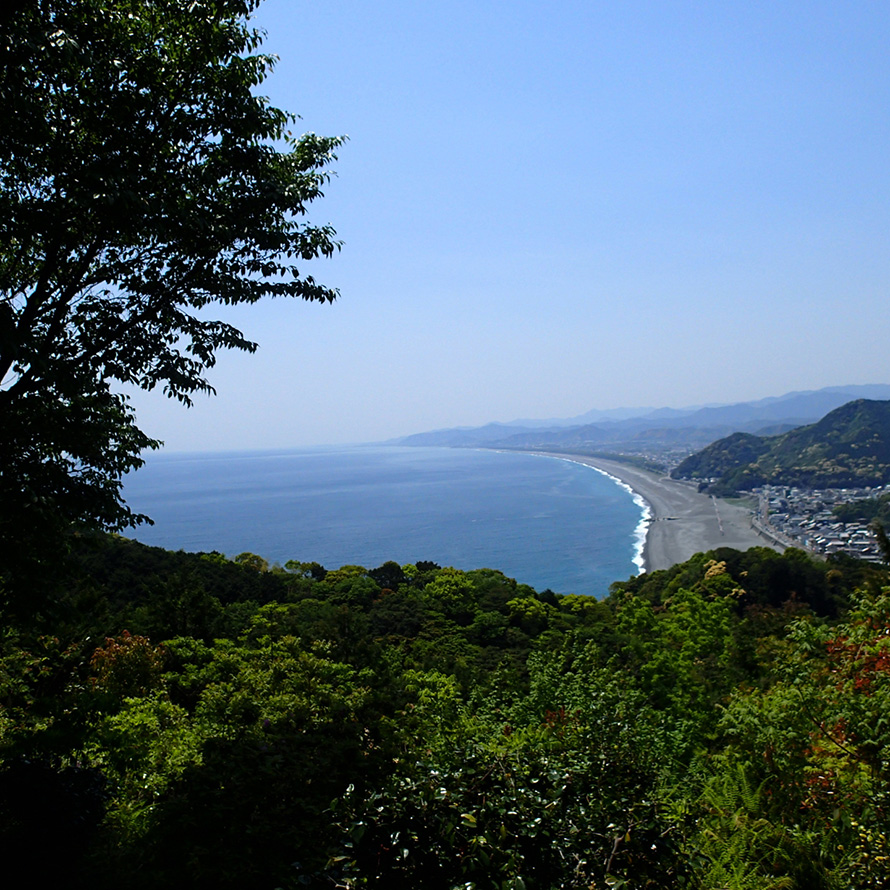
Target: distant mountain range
{"points": [[848, 448], [653, 431]]}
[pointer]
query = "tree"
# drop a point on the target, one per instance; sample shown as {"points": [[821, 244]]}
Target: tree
{"points": [[143, 180]]}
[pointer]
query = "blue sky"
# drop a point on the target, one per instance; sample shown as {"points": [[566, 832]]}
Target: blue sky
{"points": [[551, 207]]}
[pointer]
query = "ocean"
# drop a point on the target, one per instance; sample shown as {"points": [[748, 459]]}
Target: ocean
{"points": [[546, 522]]}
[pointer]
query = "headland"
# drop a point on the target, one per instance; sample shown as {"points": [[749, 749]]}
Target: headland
{"points": [[683, 521]]}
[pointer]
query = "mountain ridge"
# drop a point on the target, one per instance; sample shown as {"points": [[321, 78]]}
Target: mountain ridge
{"points": [[848, 448], [690, 428]]}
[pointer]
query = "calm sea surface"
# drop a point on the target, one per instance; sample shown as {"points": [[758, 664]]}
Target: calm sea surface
{"points": [[546, 522]]}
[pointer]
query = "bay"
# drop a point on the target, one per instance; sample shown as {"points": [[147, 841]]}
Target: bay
{"points": [[547, 522]]}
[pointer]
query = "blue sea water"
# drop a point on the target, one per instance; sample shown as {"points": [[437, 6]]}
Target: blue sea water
{"points": [[547, 522]]}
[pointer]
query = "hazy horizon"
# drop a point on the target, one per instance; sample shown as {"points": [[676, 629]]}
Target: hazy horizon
{"points": [[573, 206]]}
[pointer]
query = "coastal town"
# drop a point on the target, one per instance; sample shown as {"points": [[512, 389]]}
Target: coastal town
{"points": [[787, 516], [793, 516], [801, 517]]}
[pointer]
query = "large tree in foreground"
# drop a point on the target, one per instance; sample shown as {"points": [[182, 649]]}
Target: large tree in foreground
{"points": [[141, 180]]}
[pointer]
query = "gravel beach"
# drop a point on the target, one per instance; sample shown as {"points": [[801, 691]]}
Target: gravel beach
{"points": [[683, 522]]}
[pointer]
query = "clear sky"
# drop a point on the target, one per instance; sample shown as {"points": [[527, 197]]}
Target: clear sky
{"points": [[549, 207]]}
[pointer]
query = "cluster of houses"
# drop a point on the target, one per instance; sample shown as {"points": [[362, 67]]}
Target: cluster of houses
{"points": [[803, 517], [800, 517]]}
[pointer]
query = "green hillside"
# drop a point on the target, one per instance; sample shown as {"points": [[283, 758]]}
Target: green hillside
{"points": [[849, 447], [183, 720]]}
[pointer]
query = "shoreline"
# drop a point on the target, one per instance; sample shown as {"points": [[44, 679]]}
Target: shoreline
{"points": [[641, 532], [681, 521]]}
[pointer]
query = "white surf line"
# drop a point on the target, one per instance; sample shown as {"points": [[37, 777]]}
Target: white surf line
{"points": [[642, 529]]}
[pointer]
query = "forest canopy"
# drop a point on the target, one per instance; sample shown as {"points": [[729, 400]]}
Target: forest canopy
{"points": [[188, 719]]}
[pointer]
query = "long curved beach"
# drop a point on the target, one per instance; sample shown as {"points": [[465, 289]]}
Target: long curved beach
{"points": [[683, 522]]}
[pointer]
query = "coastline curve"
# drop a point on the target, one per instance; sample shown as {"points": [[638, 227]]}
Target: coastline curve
{"points": [[641, 532], [678, 521]]}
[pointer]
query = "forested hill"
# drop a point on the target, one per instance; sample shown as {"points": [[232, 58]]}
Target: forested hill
{"points": [[849, 447], [179, 719]]}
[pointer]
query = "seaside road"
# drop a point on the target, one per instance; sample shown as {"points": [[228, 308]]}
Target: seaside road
{"points": [[684, 522]]}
